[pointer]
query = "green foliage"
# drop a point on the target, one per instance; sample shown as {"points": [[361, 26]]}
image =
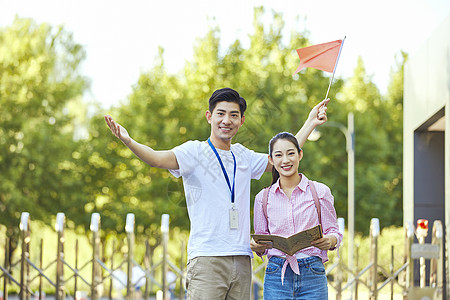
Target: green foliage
{"points": [[394, 129], [378, 150], [38, 77], [166, 110], [59, 158]]}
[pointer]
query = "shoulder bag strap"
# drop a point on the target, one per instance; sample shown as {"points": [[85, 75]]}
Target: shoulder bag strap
{"points": [[265, 200], [316, 200]]}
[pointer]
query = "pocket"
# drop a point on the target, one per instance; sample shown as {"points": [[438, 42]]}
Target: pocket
{"points": [[190, 268], [317, 268], [272, 268]]}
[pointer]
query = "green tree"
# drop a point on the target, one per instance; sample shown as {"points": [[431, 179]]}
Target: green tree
{"points": [[39, 76], [373, 169], [116, 181], [394, 128], [166, 110], [55, 159]]}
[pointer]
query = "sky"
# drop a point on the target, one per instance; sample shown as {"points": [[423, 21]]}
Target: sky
{"points": [[121, 38]]}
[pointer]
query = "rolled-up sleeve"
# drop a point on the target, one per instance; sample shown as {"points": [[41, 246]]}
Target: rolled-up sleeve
{"points": [[260, 223], [187, 158], [329, 219]]}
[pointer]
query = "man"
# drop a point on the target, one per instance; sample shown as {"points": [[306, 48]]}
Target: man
{"points": [[216, 178]]}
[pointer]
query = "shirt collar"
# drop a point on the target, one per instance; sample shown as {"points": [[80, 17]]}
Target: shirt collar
{"points": [[301, 185]]}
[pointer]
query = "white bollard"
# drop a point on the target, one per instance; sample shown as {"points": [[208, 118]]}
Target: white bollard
{"points": [[95, 222], [24, 221], [375, 227], [165, 223], [129, 225], [59, 225], [159, 295], [341, 224]]}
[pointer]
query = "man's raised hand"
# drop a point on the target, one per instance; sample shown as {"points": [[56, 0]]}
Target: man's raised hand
{"points": [[319, 113], [119, 131]]}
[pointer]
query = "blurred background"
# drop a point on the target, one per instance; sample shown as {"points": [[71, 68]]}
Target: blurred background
{"points": [[153, 65]]}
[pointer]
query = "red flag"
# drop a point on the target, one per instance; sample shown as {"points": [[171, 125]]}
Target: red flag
{"points": [[321, 56]]}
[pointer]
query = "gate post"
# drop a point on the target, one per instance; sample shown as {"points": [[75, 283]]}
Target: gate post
{"points": [[59, 227], [25, 229], [5, 278], [409, 239], [129, 229], [182, 264], [339, 277], [147, 267], [374, 234], [422, 251], [165, 238], [421, 234], [95, 228], [436, 267]]}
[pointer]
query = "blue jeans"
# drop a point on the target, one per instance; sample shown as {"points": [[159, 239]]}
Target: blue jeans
{"points": [[310, 284]]}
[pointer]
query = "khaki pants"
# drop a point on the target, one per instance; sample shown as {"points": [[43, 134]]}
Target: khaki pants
{"points": [[219, 278]]}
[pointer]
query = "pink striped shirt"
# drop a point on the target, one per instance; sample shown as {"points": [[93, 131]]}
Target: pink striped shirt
{"points": [[286, 217]]}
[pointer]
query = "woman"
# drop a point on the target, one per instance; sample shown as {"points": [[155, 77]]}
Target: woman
{"points": [[290, 208]]}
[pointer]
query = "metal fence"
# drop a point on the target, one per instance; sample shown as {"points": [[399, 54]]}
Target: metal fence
{"points": [[341, 278], [102, 274]]}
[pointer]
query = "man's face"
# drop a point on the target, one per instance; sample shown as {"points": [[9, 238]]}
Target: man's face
{"points": [[225, 120]]}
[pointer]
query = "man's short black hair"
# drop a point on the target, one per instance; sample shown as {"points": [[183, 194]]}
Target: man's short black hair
{"points": [[229, 95]]}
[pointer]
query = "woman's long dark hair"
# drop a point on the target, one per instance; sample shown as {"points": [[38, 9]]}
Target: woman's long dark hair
{"points": [[281, 136]]}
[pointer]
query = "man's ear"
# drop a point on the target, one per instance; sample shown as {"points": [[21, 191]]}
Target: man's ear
{"points": [[242, 120], [208, 116]]}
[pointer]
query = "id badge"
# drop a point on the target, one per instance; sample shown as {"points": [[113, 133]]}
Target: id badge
{"points": [[234, 218]]}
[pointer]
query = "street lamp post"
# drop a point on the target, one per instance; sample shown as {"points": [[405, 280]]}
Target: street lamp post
{"points": [[349, 137]]}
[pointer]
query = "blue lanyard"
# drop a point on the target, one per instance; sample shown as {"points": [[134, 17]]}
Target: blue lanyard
{"points": [[224, 171]]}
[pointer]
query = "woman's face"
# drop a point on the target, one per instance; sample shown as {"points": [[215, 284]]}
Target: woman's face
{"points": [[285, 158]]}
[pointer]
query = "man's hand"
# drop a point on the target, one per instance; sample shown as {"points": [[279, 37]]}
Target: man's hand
{"points": [[165, 159], [327, 242], [261, 246], [318, 114], [119, 131]]}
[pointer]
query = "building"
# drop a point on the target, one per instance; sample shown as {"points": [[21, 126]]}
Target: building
{"points": [[426, 136]]}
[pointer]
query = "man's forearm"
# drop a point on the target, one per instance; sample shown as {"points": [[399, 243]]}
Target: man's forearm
{"points": [[158, 159], [316, 117], [145, 153], [304, 132]]}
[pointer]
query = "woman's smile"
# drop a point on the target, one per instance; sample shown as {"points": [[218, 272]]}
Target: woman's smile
{"points": [[287, 167]]}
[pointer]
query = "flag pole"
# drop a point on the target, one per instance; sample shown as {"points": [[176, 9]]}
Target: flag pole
{"points": [[335, 65]]}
